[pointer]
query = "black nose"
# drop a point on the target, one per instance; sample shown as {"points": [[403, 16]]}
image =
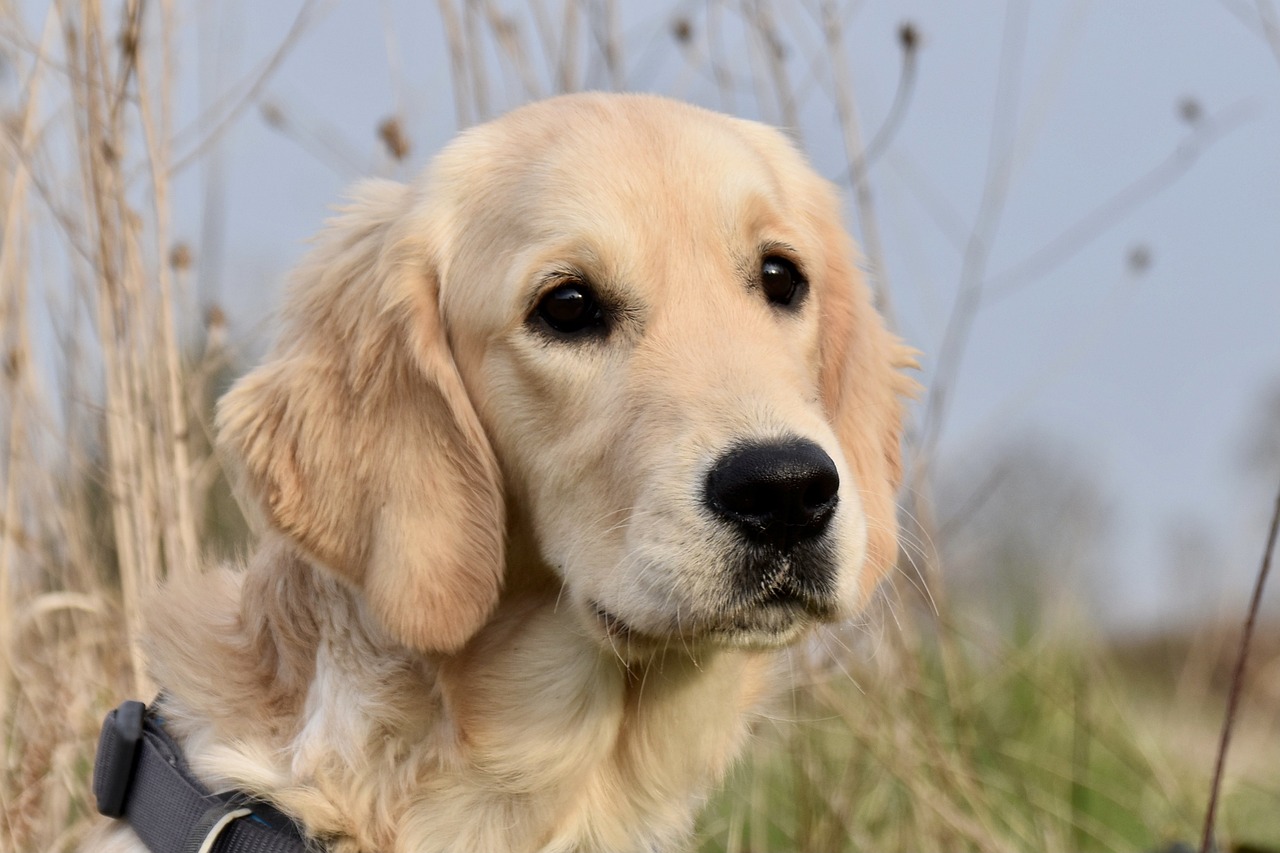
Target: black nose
{"points": [[776, 494]]}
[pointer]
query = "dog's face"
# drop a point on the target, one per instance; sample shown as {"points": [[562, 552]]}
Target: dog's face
{"points": [[635, 308], [661, 338]]}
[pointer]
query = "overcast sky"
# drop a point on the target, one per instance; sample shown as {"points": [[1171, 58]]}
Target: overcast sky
{"points": [[1143, 350]]}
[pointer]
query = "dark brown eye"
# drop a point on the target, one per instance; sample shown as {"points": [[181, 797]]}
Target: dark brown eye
{"points": [[571, 309], [780, 279]]}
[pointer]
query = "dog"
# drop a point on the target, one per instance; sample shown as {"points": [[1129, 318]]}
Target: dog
{"points": [[556, 448]]}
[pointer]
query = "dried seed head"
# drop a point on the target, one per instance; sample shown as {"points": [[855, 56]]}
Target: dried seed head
{"points": [[272, 114], [180, 257], [1139, 260], [908, 36], [215, 325], [1190, 111], [504, 26], [129, 43], [392, 134], [13, 362], [215, 318]]}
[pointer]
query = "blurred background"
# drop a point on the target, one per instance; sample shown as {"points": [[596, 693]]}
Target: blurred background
{"points": [[1070, 207]]}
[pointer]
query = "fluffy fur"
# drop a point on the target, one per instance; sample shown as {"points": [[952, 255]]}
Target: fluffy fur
{"points": [[490, 610]]}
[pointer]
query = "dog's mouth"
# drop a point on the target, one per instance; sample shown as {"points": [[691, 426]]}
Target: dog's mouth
{"points": [[768, 623], [763, 598]]}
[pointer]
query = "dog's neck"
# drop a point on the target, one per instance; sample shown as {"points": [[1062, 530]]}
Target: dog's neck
{"points": [[375, 746]]}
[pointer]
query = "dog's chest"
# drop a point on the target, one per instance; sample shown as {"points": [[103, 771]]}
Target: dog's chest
{"points": [[573, 749], [530, 739]]}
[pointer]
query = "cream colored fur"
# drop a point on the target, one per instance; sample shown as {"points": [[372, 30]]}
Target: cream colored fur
{"points": [[415, 658]]}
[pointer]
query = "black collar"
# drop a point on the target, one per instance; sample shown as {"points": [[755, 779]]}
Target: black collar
{"points": [[140, 776]]}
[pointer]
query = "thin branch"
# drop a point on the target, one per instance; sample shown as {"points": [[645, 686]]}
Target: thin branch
{"points": [[507, 36], [909, 39], [716, 54], [566, 73], [1270, 26], [323, 141], [475, 59], [217, 128], [1105, 216], [760, 17], [545, 30], [606, 28], [977, 500], [1004, 134], [1260, 18], [946, 217], [1242, 12], [395, 60], [1237, 680], [456, 40], [855, 154], [1042, 97]]}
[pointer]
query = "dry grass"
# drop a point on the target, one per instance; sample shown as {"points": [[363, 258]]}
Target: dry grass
{"points": [[105, 461], [943, 738]]}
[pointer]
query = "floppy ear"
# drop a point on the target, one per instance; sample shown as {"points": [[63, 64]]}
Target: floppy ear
{"points": [[863, 386], [356, 437]]}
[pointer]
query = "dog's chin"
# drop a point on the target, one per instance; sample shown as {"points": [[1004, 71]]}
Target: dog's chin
{"points": [[765, 626]]}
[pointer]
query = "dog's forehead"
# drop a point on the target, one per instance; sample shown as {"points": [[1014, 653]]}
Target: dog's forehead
{"points": [[617, 140], [639, 181], [632, 166]]}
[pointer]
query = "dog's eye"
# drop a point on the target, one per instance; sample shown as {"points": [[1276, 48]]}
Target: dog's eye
{"points": [[781, 280], [571, 309]]}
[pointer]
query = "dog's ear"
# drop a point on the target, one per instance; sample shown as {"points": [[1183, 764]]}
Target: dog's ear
{"points": [[863, 387], [356, 437]]}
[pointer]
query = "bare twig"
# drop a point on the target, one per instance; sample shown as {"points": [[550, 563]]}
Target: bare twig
{"points": [[909, 40], [457, 41], [210, 129], [1237, 680], [1270, 26], [476, 60], [395, 61], [607, 30], [760, 16], [323, 141], [955, 337], [1260, 18], [566, 66], [1105, 216], [716, 55], [833, 29], [511, 49]]}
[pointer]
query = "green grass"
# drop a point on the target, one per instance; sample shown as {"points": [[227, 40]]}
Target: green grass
{"points": [[1050, 744]]}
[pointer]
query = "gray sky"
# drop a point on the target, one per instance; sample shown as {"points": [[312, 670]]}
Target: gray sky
{"points": [[1150, 376]]}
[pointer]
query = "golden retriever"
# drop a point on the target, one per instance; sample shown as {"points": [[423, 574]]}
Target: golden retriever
{"points": [[555, 448]]}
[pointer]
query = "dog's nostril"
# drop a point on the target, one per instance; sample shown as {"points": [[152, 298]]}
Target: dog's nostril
{"points": [[778, 493]]}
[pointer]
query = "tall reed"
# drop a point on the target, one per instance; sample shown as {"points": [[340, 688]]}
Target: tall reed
{"points": [[100, 464]]}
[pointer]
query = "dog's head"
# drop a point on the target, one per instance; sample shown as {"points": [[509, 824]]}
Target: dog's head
{"points": [[626, 332]]}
